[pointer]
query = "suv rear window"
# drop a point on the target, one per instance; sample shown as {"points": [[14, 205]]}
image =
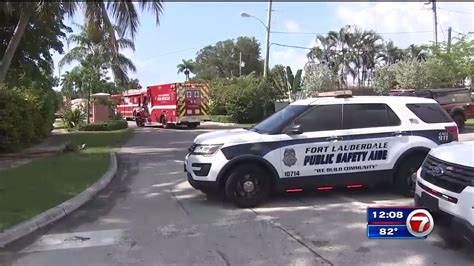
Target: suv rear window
{"points": [[368, 115], [430, 112]]}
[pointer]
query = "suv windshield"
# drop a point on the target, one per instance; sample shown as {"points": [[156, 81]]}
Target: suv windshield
{"points": [[276, 122]]}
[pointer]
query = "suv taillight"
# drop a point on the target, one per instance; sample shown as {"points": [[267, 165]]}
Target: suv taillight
{"points": [[453, 132]]}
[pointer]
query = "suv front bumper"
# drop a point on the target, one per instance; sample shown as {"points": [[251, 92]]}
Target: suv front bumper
{"points": [[202, 171], [460, 212]]}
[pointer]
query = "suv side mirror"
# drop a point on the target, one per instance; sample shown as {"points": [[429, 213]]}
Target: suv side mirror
{"points": [[294, 130]]}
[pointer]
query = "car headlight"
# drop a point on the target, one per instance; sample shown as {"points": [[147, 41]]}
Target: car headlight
{"points": [[206, 149]]}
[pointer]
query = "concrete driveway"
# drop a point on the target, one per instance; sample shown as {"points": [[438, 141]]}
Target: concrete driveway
{"points": [[149, 215]]}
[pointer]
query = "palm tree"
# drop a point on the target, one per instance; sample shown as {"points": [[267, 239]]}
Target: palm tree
{"points": [[186, 67], [89, 45], [96, 16], [418, 52]]}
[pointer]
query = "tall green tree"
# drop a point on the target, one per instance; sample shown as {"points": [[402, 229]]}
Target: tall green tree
{"points": [[26, 14], [32, 59], [222, 59]]}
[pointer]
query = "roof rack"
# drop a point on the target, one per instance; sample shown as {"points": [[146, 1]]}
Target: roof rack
{"points": [[337, 94]]}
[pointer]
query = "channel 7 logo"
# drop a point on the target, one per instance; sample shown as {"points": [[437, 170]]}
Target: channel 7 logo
{"points": [[420, 223]]}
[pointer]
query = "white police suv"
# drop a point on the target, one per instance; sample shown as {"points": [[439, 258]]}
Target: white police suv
{"points": [[445, 185], [321, 143]]}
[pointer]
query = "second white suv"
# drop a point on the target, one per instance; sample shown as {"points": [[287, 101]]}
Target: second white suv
{"points": [[321, 143], [445, 184]]}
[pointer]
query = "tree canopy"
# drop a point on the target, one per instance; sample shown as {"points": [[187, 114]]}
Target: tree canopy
{"points": [[222, 59]]}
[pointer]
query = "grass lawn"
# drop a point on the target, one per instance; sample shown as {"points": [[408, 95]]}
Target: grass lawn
{"points": [[470, 122], [30, 189]]}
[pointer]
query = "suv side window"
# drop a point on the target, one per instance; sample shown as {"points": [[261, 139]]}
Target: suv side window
{"points": [[368, 115], [430, 112], [321, 118]]}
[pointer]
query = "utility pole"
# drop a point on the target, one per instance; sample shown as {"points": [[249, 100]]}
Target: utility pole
{"points": [[449, 39], [435, 20], [267, 45]]}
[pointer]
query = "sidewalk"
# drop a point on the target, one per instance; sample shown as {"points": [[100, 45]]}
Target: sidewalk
{"points": [[53, 144]]}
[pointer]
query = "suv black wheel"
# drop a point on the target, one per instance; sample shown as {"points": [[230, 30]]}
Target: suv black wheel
{"points": [[405, 176], [248, 186], [459, 119]]}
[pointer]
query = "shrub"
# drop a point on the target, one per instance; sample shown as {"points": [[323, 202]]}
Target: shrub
{"points": [[118, 124], [116, 117], [245, 99], [108, 126], [27, 116], [94, 127], [73, 118]]}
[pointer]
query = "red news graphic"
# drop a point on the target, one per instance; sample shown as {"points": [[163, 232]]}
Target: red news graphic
{"points": [[402, 222]]}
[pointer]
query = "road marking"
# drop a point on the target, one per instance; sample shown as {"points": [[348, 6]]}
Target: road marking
{"points": [[78, 240], [124, 174]]}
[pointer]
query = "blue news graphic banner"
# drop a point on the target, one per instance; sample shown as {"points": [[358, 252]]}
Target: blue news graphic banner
{"points": [[399, 222], [395, 215], [388, 231]]}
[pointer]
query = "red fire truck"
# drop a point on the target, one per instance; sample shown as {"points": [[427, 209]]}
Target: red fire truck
{"points": [[174, 104], [128, 101]]}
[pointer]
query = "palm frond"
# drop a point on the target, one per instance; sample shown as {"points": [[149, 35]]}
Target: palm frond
{"points": [[77, 53], [125, 16], [126, 44], [125, 62], [155, 6]]}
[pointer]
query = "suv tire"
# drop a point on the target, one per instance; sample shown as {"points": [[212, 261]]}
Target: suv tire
{"points": [[405, 176], [248, 185]]}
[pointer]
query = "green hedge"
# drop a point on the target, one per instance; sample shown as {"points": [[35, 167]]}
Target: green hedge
{"points": [[26, 116], [108, 126], [222, 118]]}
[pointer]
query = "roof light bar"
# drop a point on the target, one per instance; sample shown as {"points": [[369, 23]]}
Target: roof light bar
{"points": [[339, 94]]}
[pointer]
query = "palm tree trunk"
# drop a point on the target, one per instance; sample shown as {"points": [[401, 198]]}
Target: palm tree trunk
{"points": [[14, 42]]}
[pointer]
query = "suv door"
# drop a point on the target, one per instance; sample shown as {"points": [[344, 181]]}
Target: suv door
{"points": [[310, 151], [373, 131]]}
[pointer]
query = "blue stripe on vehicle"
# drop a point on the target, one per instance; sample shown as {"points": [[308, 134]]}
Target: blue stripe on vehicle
{"points": [[262, 148]]}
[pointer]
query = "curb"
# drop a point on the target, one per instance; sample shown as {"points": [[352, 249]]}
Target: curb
{"points": [[61, 210], [26, 153]]}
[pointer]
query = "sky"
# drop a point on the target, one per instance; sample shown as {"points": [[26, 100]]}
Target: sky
{"points": [[187, 27]]}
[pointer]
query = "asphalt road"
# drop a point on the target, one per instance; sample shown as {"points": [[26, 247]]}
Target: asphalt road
{"points": [[149, 215]]}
